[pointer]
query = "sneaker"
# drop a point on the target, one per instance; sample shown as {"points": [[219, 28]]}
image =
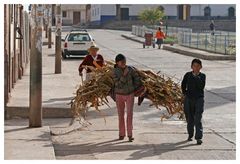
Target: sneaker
{"points": [[121, 137], [130, 139], [199, 141]]}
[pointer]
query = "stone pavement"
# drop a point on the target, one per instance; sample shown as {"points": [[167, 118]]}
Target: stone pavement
{"points": [[185, 50]]}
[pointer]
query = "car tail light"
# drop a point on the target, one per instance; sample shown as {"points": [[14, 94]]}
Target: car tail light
{"points": [[65, 45]]}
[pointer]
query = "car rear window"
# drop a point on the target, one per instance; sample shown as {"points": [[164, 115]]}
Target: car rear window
{"points": [[78, 37]]}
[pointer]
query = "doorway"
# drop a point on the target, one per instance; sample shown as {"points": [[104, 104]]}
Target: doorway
{"points": [[76, 17], [124, 13]]}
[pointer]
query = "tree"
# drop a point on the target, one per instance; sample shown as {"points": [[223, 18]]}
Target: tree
{"points": [[151, 16]]}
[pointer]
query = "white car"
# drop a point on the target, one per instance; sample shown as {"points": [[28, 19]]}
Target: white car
{"points": [[76, 43]]}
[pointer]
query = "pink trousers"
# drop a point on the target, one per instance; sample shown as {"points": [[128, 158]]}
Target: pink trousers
{"points": [[121, 100]]}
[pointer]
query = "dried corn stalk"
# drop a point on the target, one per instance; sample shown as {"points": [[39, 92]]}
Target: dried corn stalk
{"points": [[163, 92]]}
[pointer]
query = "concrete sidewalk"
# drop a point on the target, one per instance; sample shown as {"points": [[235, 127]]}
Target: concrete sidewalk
{"points": [[23, 143], [185, 50], [57, 89]]}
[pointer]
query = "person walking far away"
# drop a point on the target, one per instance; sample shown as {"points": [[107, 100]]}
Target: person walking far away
{"points": [[126, 80], [193, 89], [212, 27], [160, 35]]}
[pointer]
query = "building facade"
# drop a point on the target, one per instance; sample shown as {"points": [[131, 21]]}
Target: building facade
{"points": [[107, 12], [16, 45], [74, 14]]}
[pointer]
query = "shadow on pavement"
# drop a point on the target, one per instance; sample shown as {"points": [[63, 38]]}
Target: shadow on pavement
{"points": [[58, 99], [111, 146], [16, 129]]}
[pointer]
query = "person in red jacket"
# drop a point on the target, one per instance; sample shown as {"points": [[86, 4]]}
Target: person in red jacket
{"points": [[92, 59], [160, 35]]}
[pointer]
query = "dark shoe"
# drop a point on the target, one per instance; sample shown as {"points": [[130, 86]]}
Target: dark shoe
{"points": [[199, 142], [189, 139], [121, 137], [130, 139]]}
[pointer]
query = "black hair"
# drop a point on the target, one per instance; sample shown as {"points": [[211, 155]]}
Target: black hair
{"points": [[198, 61], [120, 57], [159, 28]]}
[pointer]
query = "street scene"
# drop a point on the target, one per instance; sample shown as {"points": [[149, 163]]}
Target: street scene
{"points": [[45, 45]]}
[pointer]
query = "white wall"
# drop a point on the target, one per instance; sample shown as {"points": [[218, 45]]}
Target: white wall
{"points": [[94, 11], [73, 7], [70, 8], [83, 16], [196, 10], [134, 10], [216, 10], [108, 9], [170, 10]]}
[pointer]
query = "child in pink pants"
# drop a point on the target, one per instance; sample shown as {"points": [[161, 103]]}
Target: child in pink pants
{"points": [[122, 101], [126, 80]]}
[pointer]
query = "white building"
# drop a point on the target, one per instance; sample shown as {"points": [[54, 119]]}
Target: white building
{"points": [[102, 13], [73, 14]]}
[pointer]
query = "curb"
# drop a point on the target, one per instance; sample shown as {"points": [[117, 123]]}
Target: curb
{"points": [[48, 112], [189, 53], [199, 55], [131, 38]]}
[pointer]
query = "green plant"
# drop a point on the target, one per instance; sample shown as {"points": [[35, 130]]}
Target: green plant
{"points": [[151, 16], [170, 40]]}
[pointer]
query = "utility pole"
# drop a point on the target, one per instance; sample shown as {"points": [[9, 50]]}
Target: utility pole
{"points": [[58, 60], [35, 112], [46, 20], [49, 26]]}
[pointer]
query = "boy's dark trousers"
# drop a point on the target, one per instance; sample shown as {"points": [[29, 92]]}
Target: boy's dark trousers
{"points": [[193, 109]]}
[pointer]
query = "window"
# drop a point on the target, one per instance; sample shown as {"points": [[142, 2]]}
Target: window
{"points": [[64, 14], [231, 12], [207, 11], [79, 37]]}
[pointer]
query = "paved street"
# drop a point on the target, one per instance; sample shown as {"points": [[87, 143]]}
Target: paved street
{"points": [[153, 139]]}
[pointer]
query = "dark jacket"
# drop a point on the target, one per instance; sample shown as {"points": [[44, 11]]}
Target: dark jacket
{"points": [[88, 60], [212, 26], [193, 86], [125, 85]]}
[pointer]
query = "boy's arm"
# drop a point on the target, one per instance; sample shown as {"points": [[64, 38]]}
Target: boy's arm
{"points": [[201, 81], [184, 84]]}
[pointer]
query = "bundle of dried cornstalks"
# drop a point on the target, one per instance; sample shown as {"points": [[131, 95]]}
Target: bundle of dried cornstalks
{"points": [[161, 90]]}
